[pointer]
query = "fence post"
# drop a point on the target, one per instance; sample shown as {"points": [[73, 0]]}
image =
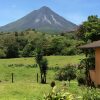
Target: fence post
{"points": [[37, 77], [12, 76]]}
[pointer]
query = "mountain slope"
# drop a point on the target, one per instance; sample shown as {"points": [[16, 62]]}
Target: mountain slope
{"points": [[43, 19]]}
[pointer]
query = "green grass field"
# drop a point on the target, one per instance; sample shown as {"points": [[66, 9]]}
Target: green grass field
{"points": [[52, 60], [25, 86]]}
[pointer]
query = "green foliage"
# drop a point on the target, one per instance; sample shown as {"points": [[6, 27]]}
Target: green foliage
{"points": [[38, 55], [61, 94], [90, 29], [43, 69], [57, 45], [86, 65], [27, 51], [51, 44], [22, 41], [12, 51], [91, 94], [66, 73], [43, 64], [81, 77], [70, 51], [2, 53]]}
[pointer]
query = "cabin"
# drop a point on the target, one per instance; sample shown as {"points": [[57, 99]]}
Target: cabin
{"points": [[94, 74]]}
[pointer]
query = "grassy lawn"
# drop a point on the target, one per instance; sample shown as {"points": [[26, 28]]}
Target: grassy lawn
{"points": [[22, 91], [25, 86], [32, 91], [52, 60]]}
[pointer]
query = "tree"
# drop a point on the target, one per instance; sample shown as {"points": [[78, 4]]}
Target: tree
{"points": [[90, 29], [43, 69], [27, 51], [38, 56], [57, 45], [22, 42], [12, 51], [2, 53], [43, 64]]}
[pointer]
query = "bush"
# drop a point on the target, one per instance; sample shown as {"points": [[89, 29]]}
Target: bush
{"points": [[71, 51], [12, 51], [66, 73], [81, 78], [91, 94]]}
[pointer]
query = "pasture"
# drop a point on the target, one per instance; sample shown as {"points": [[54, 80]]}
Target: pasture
{"points": [[25, 86]]}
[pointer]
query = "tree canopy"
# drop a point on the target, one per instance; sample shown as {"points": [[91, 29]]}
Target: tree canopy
{"points": [[90, 29], [28, 41]]}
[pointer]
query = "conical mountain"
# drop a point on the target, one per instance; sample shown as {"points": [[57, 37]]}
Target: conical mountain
{"points": [[43, 19]]}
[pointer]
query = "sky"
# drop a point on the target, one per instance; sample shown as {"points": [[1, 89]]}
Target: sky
{"points": [[75, 11]]}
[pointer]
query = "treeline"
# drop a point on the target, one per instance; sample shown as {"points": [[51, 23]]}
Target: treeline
{"points": [[24, 44]]}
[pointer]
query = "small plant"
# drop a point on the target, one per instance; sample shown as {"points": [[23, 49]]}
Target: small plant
{"points": [[53, 84], [81, 78], [61, 95], [91, 94]]}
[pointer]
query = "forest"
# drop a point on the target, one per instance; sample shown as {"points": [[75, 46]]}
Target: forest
{"points": [[24, 44]]}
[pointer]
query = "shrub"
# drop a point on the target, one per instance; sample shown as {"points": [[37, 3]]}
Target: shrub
{"points": [[81, 78], [91, 94], [12, 51], [66, 73], [71, 51]]}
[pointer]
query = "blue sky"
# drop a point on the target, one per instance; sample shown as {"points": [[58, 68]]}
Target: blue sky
{"points": [[75, 11]]}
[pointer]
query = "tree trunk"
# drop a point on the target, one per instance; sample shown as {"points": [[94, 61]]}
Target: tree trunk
{"points": [[45, 78], [41, 77]]}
